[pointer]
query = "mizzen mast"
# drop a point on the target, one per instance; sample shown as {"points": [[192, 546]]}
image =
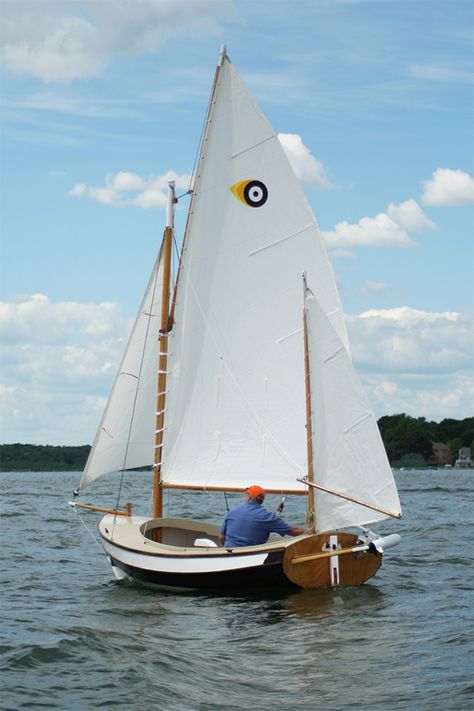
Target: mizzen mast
{"points": [[163, 357], [309, 479]]}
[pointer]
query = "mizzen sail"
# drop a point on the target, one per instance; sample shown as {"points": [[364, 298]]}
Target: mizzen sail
{"points": [[349, 455]]}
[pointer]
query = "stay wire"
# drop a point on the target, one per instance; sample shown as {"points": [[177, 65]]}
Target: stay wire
{"points": [[90, 532]]}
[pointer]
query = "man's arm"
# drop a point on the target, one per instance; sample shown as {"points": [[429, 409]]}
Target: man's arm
{"points": [[296, 531], [279, 525]]}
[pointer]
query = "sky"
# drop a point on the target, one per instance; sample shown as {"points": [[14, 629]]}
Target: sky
{"points": [[103, 101]]}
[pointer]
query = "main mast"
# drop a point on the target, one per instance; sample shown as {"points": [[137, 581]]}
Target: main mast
{"points": [[163, 357], [167, 310]]}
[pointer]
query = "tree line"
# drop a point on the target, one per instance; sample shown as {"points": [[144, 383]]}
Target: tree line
{"points": [[403, 436], [42, 458], [408, 440]]}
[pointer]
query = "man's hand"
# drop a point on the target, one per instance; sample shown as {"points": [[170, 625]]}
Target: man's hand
{"points": [[296, 531]]}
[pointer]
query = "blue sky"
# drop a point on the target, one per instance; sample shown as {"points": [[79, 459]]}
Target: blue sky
{"points": [[102, 100]]}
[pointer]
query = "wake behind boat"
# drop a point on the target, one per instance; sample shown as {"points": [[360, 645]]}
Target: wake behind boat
{"points": [[241, 372]]}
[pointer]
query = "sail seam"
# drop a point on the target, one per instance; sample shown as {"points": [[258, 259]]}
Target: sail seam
{"points": [[358, 422], [279, 241], [255, 145], [333, 355], [289, 335]]}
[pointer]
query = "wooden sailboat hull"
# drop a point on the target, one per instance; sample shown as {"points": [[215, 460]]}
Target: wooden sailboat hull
{"points": [[181, 562]]}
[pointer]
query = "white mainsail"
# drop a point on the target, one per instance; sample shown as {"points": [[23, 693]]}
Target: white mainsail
{"points": [[235, 410], [126, 434], [349, 455]]}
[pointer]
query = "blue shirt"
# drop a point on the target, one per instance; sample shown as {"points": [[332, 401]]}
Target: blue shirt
{"points": [[250, 524]]}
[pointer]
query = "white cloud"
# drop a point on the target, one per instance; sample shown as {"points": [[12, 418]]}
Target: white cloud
{"points": [[404, 315], [58, 51], [408, 340], [387, 229], [34, 320], [409, 216], [415, 361], [58, 361], [307, 168], [379, 231], [64, 41], [449, 187], [126, 188]]}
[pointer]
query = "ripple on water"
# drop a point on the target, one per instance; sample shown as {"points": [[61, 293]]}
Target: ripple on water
{"points": [[76, 639]]}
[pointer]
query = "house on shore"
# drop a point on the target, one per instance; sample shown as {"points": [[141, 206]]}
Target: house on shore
{"points": [[441, 456], [464, 460]]}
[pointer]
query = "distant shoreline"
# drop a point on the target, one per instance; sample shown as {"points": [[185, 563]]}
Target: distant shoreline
{"points": [[410, 443], [43, 457]]}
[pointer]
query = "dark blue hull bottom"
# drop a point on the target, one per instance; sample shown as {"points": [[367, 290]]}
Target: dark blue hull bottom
{"points": [[269, 576]]}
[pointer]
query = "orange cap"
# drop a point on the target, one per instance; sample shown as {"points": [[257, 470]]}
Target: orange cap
{"points": [[255, 491]]}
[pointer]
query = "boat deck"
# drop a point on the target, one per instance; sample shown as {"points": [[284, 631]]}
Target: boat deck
{"points": [[178, 536]]}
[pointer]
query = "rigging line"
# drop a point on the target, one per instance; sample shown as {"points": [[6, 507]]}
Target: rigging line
{"points": [[90, 533], [132, 418], [204, 128], [198, 161], [251, 409], [175, 246]]}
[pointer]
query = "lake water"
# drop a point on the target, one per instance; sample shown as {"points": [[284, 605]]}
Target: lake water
{"points": [[76, 639]]}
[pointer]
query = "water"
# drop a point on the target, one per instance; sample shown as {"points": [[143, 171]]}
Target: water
{"points": [[75, 639]]}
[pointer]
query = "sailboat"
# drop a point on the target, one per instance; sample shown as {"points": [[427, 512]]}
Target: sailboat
{"points": [[238, 371]]}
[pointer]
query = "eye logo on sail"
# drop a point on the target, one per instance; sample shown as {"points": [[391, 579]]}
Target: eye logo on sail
{"points": [[253, 193]]}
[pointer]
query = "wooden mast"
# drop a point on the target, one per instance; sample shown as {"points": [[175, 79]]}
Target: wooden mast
{"points": [[309, 424], [163, 358], [167, 309]]}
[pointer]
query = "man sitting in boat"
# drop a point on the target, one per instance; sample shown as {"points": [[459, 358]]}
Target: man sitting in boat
{"points": [[250, 524]]}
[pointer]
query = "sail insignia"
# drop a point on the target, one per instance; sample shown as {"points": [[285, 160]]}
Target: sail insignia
{"points": [[253, 193]]}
